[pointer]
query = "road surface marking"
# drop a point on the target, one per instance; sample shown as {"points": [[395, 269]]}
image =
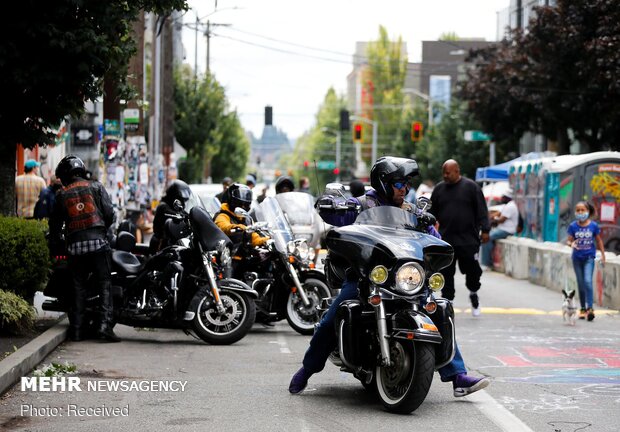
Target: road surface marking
{"points": [[525, 311], [496, 412]]}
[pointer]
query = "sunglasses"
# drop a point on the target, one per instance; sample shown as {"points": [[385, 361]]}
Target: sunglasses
{"points": [[400, 184]]}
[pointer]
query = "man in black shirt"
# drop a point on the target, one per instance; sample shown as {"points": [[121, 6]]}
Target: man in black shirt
{"points": [[460, 208]]}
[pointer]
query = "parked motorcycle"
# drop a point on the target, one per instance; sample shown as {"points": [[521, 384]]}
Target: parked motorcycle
{"points": [[186, 285], [397, 332], [298, 207], [283, 272]]}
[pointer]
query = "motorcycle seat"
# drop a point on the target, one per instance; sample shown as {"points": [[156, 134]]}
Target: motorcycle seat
{"points": [[126, 262]]}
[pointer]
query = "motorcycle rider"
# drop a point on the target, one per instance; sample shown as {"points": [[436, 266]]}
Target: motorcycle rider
{"points": [[227, 220], [284, 184], [389, 177], [85, 209], [177, 190]]}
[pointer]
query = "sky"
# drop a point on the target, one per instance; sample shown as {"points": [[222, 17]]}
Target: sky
{"points": [[288, 53]]}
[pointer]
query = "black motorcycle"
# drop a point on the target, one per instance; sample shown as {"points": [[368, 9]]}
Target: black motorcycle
{"points": [[282, 272], [186, 285], [396, 333]]}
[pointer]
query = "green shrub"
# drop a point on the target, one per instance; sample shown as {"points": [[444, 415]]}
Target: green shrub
{"points": [[24, 256], [16, 314]]}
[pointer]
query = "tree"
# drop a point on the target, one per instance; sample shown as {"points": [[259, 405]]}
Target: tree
{"points": [[558, 78], [54, 55], [387, 64], [204, 126], [319, 143]]}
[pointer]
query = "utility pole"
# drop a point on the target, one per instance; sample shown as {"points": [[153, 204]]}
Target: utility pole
{"points": [[208, 36]]}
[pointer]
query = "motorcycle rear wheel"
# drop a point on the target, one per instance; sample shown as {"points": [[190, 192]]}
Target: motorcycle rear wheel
{"points": [[404, 386], [230, 327], [301, 318]]}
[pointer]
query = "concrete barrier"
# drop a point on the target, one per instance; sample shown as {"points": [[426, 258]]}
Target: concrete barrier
{"points": [[549, 264]]}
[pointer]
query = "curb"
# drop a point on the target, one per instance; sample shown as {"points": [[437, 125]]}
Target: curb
{"points": [[21, 362]]}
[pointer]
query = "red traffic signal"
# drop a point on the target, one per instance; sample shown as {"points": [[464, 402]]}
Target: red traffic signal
{"points": [[417, 129], [358, 133], [306, 164], [336, 171]]}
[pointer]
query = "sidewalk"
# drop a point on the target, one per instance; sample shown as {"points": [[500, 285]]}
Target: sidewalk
{"points": [[498, 290]]}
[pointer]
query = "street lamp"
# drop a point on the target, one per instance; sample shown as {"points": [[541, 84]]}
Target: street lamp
{"points": [[338, 139]]}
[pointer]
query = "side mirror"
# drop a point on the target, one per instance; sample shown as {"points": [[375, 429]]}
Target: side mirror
{"points": [[241, 211], [178, 205], [335, 189], [423, 203]]}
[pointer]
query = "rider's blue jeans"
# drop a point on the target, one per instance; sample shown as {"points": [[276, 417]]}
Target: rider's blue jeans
{"points": [[324, 340]]}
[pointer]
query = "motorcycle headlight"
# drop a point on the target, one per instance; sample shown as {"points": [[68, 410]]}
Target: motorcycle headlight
{"points": [[290, 247], [302, 249], [378, 275], [410, 278], [436, 281], [311, 254]]}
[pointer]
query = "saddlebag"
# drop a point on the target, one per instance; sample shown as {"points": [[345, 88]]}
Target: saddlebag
{"points": [[443, 318]]}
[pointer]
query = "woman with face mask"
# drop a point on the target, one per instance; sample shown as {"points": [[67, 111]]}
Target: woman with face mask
{"points": [[584, 236]]}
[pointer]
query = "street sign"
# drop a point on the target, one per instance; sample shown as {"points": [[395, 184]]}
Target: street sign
{"points": [[476, 136], [326, 165]]}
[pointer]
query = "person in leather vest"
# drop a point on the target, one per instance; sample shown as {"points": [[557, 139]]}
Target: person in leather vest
{"points": [[85, 209], [389, 178]]}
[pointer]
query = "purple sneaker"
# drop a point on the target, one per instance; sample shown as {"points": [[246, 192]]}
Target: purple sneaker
{"points": [[464, 384], [299, 381]]}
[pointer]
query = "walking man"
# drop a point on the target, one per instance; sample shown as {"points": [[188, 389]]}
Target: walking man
{"points": [[28, 186], [460, 208]]}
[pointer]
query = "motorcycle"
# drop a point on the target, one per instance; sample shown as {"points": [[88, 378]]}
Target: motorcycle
{"points": [[298, 207], [282, 273], [186, 285], [397, 332]]}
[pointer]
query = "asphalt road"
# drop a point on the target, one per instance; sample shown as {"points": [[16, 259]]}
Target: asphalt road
{"points": [[547, 376]]}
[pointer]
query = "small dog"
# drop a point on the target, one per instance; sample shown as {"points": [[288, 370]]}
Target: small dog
{"points": [[569, 310]]}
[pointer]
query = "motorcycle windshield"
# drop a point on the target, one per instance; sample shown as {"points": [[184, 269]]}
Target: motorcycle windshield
{"points": [[208, 234], [385, 235], [269, 211], [298, 207], [388, 216]]}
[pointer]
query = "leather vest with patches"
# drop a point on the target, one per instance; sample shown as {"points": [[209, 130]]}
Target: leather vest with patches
{"points": [[81, 207]]}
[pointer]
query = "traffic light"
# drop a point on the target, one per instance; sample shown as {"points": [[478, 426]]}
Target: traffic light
{"points": [[306, 164], [417, 131], [345, 125], [358, 133], [268, 116], [336, 171]]}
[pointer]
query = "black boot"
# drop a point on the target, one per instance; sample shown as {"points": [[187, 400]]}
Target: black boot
{"points": [[106, 333], [76, 316], [107, 321]]}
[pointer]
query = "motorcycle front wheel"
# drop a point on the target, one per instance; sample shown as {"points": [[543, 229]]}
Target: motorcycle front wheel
{"points": [[403, 386], [303, 318], [227, 328]]}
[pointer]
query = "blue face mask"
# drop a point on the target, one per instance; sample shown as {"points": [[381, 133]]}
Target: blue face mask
{"points": [[582, 216]]}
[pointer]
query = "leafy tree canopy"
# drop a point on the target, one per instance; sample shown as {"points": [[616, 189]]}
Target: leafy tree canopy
{"points": [[207, 129], [559, 77], [53, 56]]}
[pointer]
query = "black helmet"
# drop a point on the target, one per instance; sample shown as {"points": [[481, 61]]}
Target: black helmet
{"points": [[239, 195], [388, 169], [177, 190], [284, 182], [70, 166]]}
